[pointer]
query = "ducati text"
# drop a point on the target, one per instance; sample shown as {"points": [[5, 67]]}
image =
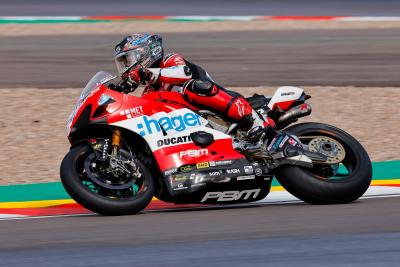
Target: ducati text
{"points": [[174, 140]]}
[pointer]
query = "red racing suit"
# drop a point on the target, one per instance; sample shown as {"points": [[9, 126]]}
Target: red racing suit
{"points": [[174, 73]]}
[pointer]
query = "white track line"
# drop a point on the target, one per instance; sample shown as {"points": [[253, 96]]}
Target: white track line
{"points": [[275, 200]]}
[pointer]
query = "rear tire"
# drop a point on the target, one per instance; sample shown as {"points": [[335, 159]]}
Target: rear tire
{"points": [[72, 183], [314, 189]]}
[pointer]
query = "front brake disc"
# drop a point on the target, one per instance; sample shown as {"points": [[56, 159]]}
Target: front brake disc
{"points": [[328, 147]]}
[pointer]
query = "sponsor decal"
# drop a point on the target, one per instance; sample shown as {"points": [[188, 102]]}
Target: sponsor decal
{"points": [[202, 165], [246, 177], [231, 195], [180, 186], [197, 179], [194, 153], [186, 168], [101, 145], [179, 182], [304, 106], [105, 149], [275, 143], [232, 171], [166, 124], [283, 141], [248, 169], [221, 179], [139, 38], [258, 172], [215, 173], [132, 112], [271, 144], [287, 93], [292, 142], [174, 140], [220, 163], [179, 178], [171, 171]]}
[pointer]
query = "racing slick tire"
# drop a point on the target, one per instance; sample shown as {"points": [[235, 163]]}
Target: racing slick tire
{"points": [[315, 189], [74, 186]]}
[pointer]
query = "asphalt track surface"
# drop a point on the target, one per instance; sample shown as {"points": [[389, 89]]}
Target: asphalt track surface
{"points": [[369, 57], [200, 7], [364, 233]]}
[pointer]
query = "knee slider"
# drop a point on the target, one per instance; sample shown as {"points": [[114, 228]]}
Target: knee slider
{"points": [[201, 87]]}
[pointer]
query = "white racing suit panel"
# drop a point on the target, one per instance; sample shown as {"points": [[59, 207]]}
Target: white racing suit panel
{"points": [[172, 75]]}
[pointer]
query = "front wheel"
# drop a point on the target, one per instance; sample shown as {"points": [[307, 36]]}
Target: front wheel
{"points": [[344, 179], [89, 183]]}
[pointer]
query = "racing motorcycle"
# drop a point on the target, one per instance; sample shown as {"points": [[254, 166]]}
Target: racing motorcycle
{"points": [[125, 150]]}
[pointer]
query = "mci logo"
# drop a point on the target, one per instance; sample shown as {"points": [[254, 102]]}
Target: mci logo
{"points": [[178, 123]]}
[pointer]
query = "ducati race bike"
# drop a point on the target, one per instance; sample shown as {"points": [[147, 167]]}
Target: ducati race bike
{"points": [[125, 150]]}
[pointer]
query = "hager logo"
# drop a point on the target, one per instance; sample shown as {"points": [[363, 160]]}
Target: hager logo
{"points": [[178, 123]]}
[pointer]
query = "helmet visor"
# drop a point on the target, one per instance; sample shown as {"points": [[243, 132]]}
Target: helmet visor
{"points": [[128, 59]]}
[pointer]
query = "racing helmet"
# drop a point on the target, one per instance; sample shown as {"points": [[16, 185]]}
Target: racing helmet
{"points": [[139, 48]]}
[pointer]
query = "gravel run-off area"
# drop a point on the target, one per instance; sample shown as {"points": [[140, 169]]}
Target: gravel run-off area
{"points": [[32, 125]]}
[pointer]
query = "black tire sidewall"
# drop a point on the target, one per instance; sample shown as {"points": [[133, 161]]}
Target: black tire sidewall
{"points": [[97, 203], [308, 188]]}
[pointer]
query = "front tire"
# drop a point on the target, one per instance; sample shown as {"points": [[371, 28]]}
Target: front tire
{"points": [[71, 178], [310, 186]]}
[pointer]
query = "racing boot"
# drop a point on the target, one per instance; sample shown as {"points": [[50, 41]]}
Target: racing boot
{"points": [[259, 127], [255, 142]]}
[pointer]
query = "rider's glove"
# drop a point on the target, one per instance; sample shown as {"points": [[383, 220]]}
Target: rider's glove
{"points": [[140, 75]]}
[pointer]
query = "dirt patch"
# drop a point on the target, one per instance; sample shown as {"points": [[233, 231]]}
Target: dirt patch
{"points": [[162, 26], [32, 125]]}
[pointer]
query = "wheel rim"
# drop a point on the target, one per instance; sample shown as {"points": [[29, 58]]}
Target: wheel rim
{"points": [[100, 185], [328, 147], [340, 165]]}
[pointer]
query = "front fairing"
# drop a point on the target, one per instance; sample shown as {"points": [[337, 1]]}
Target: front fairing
{"points": [[90, 97]]}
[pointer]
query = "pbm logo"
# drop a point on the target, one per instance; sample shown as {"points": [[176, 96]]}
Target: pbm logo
{"points": [[193, 153], [178, 123], [231, 195]]}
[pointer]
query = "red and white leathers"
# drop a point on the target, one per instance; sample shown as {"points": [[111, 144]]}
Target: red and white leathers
{"points": [[176, 74]]}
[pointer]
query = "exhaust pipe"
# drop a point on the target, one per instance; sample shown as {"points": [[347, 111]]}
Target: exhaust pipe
{"points": [[293, 114]]}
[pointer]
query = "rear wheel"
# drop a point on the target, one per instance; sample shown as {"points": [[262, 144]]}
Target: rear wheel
{"points": [[92, 185], [345, 178]]}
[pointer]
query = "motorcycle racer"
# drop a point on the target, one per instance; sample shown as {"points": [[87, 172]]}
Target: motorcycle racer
{"points": [[140, 60], [126, 149]]}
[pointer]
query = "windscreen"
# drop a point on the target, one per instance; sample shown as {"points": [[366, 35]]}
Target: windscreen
{"points": [[99, 78]]}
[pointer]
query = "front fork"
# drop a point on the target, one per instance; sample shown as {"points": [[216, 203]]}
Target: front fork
{"points": [[115, 142]]}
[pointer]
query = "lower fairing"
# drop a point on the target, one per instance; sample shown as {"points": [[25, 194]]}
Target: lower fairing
{"points": [[217, 182]]}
